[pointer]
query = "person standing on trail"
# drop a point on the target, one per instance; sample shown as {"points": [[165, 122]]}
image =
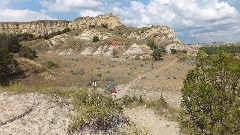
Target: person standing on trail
{"points": [[114, 93]]}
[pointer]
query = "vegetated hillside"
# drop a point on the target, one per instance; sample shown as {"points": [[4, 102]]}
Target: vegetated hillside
{"points": [[101, 35], [120, 42]]}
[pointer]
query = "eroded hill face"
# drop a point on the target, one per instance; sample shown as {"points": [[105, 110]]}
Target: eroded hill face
{"points": [[120, 42], [48, 26], [115, 39]]}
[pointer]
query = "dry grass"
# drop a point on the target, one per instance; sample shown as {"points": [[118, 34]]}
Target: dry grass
{"points": [[99, 67]]}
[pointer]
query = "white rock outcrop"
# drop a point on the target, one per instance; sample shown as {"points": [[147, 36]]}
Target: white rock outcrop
{"points": [[88, 34]]}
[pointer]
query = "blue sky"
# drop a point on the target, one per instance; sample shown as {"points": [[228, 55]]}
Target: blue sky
{"points": [[193, 20]]}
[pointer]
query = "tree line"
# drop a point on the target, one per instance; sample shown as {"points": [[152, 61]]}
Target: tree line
{"points": [[233, 49]]}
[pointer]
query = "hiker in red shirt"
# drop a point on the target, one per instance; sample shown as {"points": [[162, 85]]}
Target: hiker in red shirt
{"points": [[114, 93]]}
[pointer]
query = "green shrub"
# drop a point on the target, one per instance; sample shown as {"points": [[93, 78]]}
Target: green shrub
{"points": [[137, 57], [25, 37], [173, 51], [92, 26], [51, 35], [109, 83], [8, 67], [66, 30], [210, 103], [9, 42], [157, 55], [27, 52], [184, 51], [152, 45], [116, 53], [128, 100], [80, 71], [92, 111], [162, 101], [95, 39], [95, 112], [104, 25], [157, 52], [158, 104], [132, 100], [50, 64]]}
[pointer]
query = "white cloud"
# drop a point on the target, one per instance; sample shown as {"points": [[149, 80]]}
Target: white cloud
{"points": [[190, 18], [193, 20], [9, 15], [83, 7], [12, 15], [90, 13]]}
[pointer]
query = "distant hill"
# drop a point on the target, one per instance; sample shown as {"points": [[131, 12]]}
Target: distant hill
{"points": [[115, 39]]}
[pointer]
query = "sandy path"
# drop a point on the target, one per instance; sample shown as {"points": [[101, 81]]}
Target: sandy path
{"points": [[123, 91], [147, 119]]}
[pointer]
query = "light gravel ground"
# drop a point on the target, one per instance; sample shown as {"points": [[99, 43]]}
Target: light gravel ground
{"points": [[47, 118], [148, 120]]}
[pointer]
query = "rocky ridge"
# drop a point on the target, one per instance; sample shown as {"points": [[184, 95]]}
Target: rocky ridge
{"points": [[109, 20], [115, 38], [42, 27]]}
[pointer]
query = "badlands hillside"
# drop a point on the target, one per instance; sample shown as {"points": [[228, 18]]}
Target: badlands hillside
{"points": [[115, 38], [55, 94]]}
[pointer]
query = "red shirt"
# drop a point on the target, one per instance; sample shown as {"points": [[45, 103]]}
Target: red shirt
{"points": [[114, 90]]}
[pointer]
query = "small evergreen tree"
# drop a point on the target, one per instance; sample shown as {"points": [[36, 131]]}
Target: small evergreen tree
{"points": [[8, 67], [9, 42], [173, 51], [27, 52], [210, 103], [157, 54], [152, 45], [95, 39]]}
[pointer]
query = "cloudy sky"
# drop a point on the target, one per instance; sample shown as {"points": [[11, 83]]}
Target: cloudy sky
{"points": [[193, 20]]}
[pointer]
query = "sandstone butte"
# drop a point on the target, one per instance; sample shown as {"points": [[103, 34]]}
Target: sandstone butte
{"points": [[42, 27], [162, 34]]}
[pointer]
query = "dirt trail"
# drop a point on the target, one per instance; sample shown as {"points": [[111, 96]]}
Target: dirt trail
{"points": [[122, 92], [148, 120]]}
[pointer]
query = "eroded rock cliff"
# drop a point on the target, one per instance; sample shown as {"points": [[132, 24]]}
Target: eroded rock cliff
{"points": [[35, 27], [109, 21], [115, 38], [48, 26]]}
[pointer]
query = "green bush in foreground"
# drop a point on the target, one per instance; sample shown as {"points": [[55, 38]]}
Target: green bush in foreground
{"points": [[95, 112], [211, 92]]}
